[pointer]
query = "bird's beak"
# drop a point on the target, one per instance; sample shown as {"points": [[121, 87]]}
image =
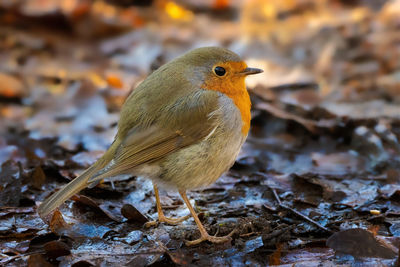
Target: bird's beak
{"points": [[250, 71]]}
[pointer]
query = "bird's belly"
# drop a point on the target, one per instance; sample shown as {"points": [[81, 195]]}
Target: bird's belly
{"points": [[200, 164]]}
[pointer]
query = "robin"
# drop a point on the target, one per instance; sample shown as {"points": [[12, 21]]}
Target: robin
{"points": [[182, 127]]}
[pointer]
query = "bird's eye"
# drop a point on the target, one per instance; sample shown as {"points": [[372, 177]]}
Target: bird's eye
{"points": [[220, 71]]}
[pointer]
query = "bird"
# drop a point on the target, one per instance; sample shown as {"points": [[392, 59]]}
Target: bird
{"points": [[182, 127]]}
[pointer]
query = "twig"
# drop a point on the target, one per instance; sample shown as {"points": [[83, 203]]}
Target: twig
{"points": [[276, 195], [298, 213], [306, 218], [295, 86], [310, 125], [250, 234], [11, 258]]}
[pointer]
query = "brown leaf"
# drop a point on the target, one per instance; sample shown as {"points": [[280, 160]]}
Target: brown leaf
{"points": [[359, 243], [38, 177], [107, 208], [38, 260], [85, 200], [10, 184], [57, 222], [132, 214], [275, 258], [179, 257], [374, 229], [115, 81], [55, 249], [308, 124], [10, 87]]}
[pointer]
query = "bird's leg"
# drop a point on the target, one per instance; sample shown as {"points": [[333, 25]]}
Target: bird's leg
{"points": [[161, 216], [204, 235]]}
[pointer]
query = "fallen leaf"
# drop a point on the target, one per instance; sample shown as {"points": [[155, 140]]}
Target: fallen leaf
{"points": [[275, 258], [38, 260], [38, 177], [114, 81], [55, 249], [359, 243], [132, 214], [111, 210], [57, 223], [10, 87], [10, 184]]}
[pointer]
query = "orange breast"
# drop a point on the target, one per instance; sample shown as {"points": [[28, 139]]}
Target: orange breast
{"points": [[234, 87]]}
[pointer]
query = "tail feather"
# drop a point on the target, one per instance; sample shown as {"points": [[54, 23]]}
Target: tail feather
{"points": [[66, 192], [76, 185]]}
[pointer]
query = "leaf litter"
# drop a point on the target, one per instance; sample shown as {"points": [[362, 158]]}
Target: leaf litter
{"points": [[316, 183]]}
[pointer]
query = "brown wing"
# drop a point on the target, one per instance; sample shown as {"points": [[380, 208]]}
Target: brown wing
{"points": [[142, 146]]}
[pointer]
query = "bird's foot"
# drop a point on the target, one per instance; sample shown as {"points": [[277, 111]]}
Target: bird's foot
{"points": [[171, 221], [213, 239]]}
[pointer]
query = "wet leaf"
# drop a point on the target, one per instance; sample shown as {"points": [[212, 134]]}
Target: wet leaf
{"points": [[359, 243], [133, 237], [57, 223], [10, 184], [55, 249], [38, 177], [38, 260], [6, 211], [132, 214]]}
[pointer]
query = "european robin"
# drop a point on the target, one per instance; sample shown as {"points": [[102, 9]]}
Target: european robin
{"points": [[182, 127]]}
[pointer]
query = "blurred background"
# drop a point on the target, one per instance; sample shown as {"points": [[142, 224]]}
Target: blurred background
{"points": [[325, 127], [56, 54]]}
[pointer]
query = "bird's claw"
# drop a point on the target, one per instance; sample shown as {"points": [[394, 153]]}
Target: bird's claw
{"points": [[212, 239], [171, 221]]}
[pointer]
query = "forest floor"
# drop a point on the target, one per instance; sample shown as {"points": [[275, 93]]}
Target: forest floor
{"points": [[317, 181]]}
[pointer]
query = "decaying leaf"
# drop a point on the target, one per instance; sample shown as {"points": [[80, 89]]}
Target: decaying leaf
{"points": [[57, 223], [359, 243]]}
